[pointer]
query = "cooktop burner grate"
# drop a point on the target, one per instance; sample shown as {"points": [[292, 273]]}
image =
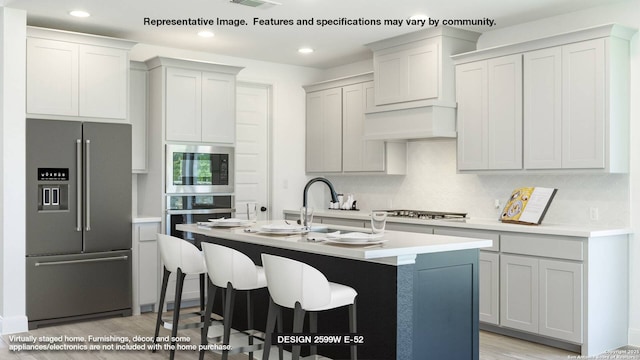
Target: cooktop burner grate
{"points": [[422, 214]]}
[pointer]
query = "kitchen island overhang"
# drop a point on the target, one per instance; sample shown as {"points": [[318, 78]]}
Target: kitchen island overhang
{"points": [[417, 293]]}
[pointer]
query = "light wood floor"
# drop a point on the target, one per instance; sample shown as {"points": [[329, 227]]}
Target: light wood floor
{"points": [[492, 346]]}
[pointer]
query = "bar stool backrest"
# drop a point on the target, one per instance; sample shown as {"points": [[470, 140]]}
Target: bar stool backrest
{"points": [[226, 265], [290, 281], [177, 253]]}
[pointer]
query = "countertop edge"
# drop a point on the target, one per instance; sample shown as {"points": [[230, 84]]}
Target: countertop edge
{"points": [[395, 255], [484, 224], [149, 219]]}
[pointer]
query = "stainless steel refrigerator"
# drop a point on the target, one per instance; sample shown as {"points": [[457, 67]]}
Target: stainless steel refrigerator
{"points": [[78, 213]]}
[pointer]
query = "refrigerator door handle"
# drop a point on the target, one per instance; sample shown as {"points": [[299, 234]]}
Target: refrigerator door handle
{"points": [[66, 262], [87, 179], [78, 185]]}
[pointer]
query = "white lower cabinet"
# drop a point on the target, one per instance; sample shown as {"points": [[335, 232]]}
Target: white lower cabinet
{"points": [[560, 312], [489, 287], [542, 296], [519, 293], [146, 266]]}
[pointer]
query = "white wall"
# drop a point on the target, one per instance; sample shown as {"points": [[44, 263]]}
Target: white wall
{"points": [[12, 168], [433, 184], [288, 122]]}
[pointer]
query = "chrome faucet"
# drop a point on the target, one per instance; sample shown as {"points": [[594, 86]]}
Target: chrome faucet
{"points": [[334, 195]]}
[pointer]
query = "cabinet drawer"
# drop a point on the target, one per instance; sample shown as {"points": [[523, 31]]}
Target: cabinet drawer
{"points": [[478, 234], [345, 222], [537, 245], [416, 228], [147, 232]]}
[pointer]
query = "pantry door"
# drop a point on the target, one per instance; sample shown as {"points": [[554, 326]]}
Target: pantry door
{"points": [[253, 118]]}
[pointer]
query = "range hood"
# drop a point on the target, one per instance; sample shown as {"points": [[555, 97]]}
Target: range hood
{"points": [[414, 84], [424, 122]]}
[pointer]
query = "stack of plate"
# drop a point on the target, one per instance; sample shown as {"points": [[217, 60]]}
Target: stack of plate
{"points": [[282, 229], [355, 238], [229, 222]]}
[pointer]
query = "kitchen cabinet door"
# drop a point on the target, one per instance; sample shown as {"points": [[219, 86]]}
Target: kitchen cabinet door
{"points": [[583, 105], [103, 75], [324, 131], [519, 292], [218, 108], [489, 95], [561, 300], [473, 117], [504, 109], [138, 81], [52, 77], [543, 109], [407, 73], [489, 287], [359, 154], [146, 265], [183, 105]]}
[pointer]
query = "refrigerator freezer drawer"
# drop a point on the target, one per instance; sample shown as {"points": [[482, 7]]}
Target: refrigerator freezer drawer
{"points": [[66, 286]]}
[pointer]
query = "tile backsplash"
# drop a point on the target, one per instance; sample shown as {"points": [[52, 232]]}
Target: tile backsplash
{"points": [[433, 184]]}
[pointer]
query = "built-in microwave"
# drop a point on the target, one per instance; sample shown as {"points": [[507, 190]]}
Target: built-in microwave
{"points": [[196, 169]]}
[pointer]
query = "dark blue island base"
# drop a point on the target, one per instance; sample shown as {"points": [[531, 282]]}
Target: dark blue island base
{"points": [[426, 310]]}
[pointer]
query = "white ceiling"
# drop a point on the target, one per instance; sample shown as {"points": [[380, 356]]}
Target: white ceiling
{"points": [[334, 45]]}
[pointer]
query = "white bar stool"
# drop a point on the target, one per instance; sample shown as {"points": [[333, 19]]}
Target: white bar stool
{"points": [[232, 271], [296, 285], [183, 258]]}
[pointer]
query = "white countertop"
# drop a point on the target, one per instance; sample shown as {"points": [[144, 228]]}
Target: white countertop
{"points": [[400, 248], [484, 224]]}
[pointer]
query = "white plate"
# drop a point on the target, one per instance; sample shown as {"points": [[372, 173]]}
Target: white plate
{"points": [[229, 222], [356, 242], [357, 237], [282, 228]]}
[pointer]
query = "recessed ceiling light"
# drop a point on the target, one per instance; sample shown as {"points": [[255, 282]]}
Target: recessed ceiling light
{"points": [[79, 13], [419, 17], [305, 50], [205, 34]]}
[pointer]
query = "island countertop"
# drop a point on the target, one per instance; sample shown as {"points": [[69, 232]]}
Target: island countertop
{"points": [[399, 248]]}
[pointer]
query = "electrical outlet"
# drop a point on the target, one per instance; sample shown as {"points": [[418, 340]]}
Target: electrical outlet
{"points": [[594, 214], [496, 203]]}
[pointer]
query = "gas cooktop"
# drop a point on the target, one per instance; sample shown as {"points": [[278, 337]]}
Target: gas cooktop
{"points": [[422, 214]]}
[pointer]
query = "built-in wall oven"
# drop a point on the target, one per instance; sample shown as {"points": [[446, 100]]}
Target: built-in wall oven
{"points": [[191, 209], [199, 185], [199, 169]]}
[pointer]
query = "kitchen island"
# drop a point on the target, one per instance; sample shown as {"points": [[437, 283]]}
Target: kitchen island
{"points": [[417, 293]]}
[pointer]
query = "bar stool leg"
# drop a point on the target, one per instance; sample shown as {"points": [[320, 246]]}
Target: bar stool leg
{"points": [[353, 328], [250, 322], [313, 328], [176, 311], [298, 322], [211, 295], [271, 325], [228, 317], [163, 292]]}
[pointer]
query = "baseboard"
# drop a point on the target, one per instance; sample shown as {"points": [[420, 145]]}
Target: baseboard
{"points": [[634, 337], [13, 325]]}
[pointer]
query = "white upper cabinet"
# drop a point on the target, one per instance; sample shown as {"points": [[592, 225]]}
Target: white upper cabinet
{"points": [[324, 131], [407, 73], [574, 100], [138, 86], [184, 105], [543, 109], [199, 99], [335, 141], [583, 105], [72, 75], [490, 114]]}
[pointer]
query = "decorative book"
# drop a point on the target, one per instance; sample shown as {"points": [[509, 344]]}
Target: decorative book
{"points": [[528, 205]]}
